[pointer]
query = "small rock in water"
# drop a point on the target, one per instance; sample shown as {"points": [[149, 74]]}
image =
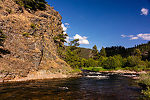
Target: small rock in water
{"points": [[64, 88], [1, 80]]}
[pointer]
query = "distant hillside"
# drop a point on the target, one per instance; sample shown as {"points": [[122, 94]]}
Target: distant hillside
{"points": [[125, 52], [85, 53]]}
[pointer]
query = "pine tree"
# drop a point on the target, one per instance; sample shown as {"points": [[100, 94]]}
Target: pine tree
{"points": [[95, 53], [138, 53], [103, 52]]}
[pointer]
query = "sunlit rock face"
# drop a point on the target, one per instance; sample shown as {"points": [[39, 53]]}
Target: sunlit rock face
{"points": [[29, 40]]}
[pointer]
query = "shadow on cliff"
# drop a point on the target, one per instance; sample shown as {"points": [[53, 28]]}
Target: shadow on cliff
{"points": [[4, 52]]}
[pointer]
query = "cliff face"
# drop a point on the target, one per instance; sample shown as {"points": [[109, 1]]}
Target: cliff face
{"points": [[29, 41]]}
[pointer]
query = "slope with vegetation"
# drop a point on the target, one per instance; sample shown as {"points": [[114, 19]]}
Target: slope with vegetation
{"points": [[109, 58]]}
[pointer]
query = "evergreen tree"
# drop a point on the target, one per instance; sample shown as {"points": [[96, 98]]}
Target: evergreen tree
{"points": [[95, 53], [74, 43], [138, 53], [103, 52]]}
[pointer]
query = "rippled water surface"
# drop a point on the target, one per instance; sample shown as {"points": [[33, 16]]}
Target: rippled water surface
{"points": [[96, 87]]}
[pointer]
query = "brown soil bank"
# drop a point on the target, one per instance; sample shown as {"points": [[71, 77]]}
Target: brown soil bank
{"points": [[29, 45]]}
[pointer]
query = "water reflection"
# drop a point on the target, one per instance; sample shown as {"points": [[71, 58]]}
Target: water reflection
{"points": [[103, 87]]}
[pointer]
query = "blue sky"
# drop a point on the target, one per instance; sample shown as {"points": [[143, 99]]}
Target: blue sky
{"points": [[106, 22]]}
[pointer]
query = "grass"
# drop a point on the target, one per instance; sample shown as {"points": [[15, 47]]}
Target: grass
{"points": [[145, 79], [146, 92], [96, 69], [76, 70]]}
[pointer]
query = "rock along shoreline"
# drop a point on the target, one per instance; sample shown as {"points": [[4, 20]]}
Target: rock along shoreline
{"points": [[40, 75]]}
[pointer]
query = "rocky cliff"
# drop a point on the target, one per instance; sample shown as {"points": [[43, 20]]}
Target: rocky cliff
{"points": [[29, 46]]}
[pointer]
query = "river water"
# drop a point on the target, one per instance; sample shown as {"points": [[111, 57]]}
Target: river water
{"points": [[92, 86]]}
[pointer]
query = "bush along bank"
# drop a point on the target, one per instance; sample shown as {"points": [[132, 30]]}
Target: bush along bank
{"points": [[144, 82]]}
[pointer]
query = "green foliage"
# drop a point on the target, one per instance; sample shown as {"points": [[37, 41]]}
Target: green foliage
{"points": [[133, 61], [103, 52], [115, 50], [112, 62], [9, 11], [74, 43], [76, 70], [146, 92], [142, 50], [91, 63], [96, 69], [32, 4], [95, 53], [2, 38], [60, 39], [26, 34], [101, 60], [145, 79], [138, 53], [73, 59], [33, 26]]}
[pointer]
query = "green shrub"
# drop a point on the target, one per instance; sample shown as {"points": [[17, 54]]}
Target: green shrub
{"points": [[33, 26], [101, 60], [9, 11], [2, 38], [145, 79], [96, 69], [76, 70], [32, 4], [112, 62], [60, 39], [146, 92], [26, 34], [91, 63], [133, 61]]}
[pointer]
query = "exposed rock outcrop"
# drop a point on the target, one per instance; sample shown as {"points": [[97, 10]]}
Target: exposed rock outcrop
{"points": [[29, 40]]}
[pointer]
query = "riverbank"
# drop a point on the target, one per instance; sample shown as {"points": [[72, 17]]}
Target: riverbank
{"points": [[41, 75], [121, 70], [128, 73]]}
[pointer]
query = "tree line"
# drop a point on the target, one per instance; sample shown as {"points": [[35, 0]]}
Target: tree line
{"points": [[116, 57]]}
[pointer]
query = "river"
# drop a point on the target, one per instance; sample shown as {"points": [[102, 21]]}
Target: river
{"points": [[91, 86]]}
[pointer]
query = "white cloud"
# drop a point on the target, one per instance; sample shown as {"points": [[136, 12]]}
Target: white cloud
{"points": [[134, 38], [123, 35], [143, 36], [77, 36], [67, 24], [131, 36], [67, 39], [144, 11], [82, 40], [64, 27]]}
